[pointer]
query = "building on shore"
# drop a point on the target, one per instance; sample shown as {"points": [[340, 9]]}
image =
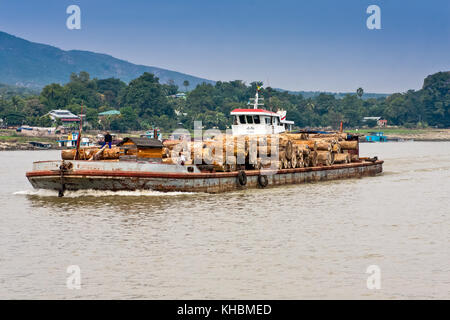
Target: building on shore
{"points": [[380, 122], [66, 117]]}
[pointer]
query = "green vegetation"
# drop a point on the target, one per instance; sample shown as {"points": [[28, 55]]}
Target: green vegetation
{"points": [[12, 137], [145, 102]]}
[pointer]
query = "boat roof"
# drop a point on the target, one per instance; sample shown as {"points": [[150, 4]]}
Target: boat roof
{"points": [[143, 142], [254, 111]]}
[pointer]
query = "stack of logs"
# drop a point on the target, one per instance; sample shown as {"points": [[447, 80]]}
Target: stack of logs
{"points": [[92, 153], [296, 150]]}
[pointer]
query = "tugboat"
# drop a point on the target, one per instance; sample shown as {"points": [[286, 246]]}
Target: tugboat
{"points": [[139, 163], [259, 121]]}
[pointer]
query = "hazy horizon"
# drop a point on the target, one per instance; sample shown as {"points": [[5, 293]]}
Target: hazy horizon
{"points": [[308, 46]]}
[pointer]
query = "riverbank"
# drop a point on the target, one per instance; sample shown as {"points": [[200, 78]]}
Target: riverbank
{"points": [[10, 141], [410, 134]]}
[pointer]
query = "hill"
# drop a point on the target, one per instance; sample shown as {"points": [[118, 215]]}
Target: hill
{"points": [[34, 65]]}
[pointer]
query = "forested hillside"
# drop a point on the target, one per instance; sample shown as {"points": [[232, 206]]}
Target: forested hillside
{"points": [[35, 65], [145, 102]]}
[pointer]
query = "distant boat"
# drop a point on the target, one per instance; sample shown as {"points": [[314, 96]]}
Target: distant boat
{"points": [[40, 145], [71, 141], [376, 137], [153, 133]]}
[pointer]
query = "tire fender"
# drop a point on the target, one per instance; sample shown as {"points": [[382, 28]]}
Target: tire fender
{"points": [[242, 178], [263, 181]]}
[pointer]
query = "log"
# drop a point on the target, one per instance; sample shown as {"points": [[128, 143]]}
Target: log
{"points": [[336, 148], [284, 163], [301, 161], [310, 143], [354, 158], [323, 145], [294, 162], [337, 135], [297, 136], [84, 153], [110, 154], [342, 158], [324, 158], [312, 159], [170, 144], [349, 145], [98, 154], [165, 152], [264, 151]]}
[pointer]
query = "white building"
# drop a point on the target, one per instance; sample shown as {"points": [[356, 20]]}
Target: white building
{"points": [[65, 116]]}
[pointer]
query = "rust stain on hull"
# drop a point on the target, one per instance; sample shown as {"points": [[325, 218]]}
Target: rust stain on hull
{"points": [[116, 180]]}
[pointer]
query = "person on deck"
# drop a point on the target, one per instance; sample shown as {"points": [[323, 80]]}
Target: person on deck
{"points": [[108, 140], [182, 159]]}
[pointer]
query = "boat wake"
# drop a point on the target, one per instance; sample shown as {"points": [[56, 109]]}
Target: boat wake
{"points": [[99, 193]]}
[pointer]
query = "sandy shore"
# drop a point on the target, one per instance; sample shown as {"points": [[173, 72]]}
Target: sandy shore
{"points": [[428, 135]]}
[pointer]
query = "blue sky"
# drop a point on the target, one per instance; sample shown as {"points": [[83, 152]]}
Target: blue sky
{"points": [[297, 45]]}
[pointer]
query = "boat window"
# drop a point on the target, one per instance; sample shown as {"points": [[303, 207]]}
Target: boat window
{"points": [[249, 119], [235, 121], [242, 119], [256, 120], [267, 120]]}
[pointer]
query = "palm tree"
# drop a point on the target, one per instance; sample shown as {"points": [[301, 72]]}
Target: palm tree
{"points": [[360, 92]]}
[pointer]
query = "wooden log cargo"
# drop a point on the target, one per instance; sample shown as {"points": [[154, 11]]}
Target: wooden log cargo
{"points": [[342, 158], [312, 144], [83, 154], [349, 145], [336, 148], [323, 145], [325, 158], [313, 159], [294, 150]]}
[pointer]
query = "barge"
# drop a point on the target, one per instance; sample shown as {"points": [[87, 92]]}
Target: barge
{"points": [[115, 176], [144, 163]]}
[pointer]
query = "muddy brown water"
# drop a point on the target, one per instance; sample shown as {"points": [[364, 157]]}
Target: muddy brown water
{"points": [[290, 242]]}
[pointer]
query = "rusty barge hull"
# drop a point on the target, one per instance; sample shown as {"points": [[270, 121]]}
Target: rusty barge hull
{"points": [[98, 176]]}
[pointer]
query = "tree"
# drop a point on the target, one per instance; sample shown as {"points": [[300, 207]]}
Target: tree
{"points": [[110, 89], [54, 96], [147, 97], [360, 92], [186, 85], [128, 120], [371, 123]]}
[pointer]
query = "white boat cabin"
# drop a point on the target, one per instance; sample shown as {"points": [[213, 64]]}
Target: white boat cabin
{"points": [[259, 121]]}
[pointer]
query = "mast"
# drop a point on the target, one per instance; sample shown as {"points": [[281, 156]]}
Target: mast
{"points": [[77, 153], [256, 99]]}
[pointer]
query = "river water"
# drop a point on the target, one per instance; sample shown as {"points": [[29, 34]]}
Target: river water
{"points": [[291, 242]]}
